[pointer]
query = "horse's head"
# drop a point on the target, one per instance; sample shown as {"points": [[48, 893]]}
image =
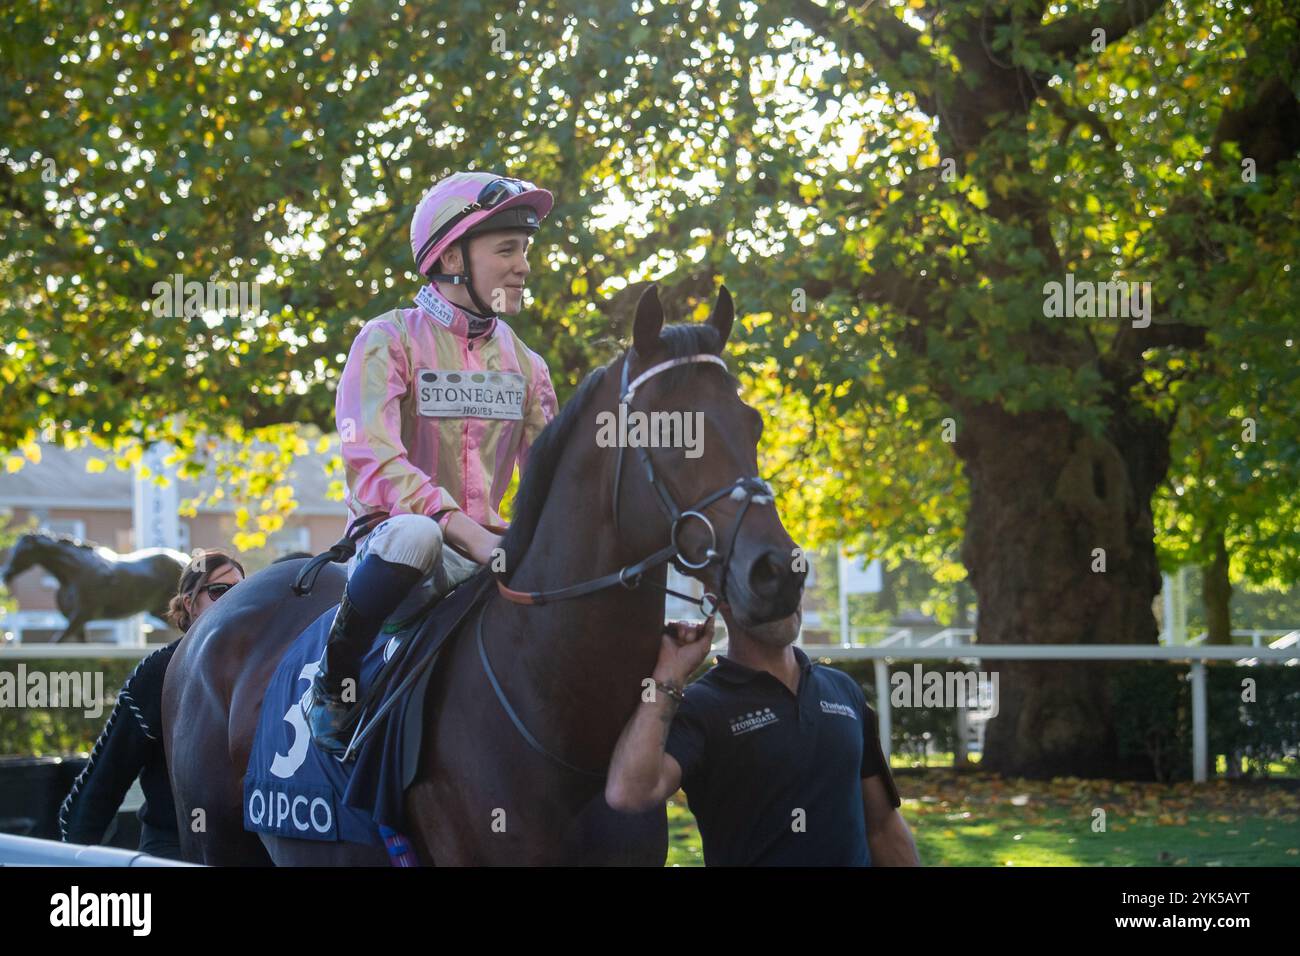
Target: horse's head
{"points": [[706, 463], [26, 553]]}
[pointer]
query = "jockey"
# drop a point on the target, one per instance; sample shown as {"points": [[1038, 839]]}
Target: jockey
{"points": [[436, 406]]}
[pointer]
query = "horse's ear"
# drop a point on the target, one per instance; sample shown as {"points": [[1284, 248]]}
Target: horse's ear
{"points": [[724, 313], [649, 322]]}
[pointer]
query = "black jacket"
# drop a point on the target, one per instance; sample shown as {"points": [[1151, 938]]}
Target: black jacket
{"points": [[129, 746]]}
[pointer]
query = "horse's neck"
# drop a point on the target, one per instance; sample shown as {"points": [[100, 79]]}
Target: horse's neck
{"points": [[595, 650], [595, 633], [574, 669]]}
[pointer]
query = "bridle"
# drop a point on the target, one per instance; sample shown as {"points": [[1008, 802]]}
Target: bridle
{"points": [[746, 490]]}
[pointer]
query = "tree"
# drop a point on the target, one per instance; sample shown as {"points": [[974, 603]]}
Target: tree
{"points": [[1063, 426], [923, 175], [282, 150], [891, 191], [1230, 504]]}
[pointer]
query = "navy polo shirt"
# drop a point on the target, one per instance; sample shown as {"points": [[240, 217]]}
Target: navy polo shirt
{"points": [[774, 778]]}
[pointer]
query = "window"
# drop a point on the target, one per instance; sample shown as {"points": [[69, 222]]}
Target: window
{"points": [[287, 540]]}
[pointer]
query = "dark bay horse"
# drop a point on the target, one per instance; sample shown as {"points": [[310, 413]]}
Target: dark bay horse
{"points": [[96, 583], [572, 667]]}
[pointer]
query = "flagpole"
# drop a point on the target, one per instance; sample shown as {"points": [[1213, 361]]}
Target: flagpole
{"points": [[844, 597]]}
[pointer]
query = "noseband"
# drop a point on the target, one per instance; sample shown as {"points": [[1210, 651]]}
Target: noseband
{"points": [[746, 490]]}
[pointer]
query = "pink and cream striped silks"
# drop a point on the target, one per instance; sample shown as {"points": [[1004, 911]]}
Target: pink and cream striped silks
{"points": [[432, 420]]}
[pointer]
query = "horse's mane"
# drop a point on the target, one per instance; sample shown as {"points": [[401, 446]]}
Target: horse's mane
{"points": [[679, 340], [64, 538], [543, 459]]}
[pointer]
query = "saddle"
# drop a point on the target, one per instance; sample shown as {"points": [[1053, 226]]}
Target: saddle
{"points": [[293, 789]]}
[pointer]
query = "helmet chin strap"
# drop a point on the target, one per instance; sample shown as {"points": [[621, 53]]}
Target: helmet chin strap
{"points": [[483, 311], [467, 280]]}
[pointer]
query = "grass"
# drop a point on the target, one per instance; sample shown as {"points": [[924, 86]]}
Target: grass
{"points": [[1281, 769], [972, 819], [684, 847]]}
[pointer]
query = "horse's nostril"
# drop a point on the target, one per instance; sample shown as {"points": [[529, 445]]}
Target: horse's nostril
{"points": [[766, 574]]}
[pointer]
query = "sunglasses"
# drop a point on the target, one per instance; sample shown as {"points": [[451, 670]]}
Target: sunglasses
{"points": [[215, 591], [489, 197]]}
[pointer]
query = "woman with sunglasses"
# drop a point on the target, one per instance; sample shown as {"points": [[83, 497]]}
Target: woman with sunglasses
{"points": [[436, 406], [130, 744]]}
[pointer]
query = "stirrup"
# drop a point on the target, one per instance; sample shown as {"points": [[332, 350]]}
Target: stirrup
{"points": [[329, 719]]}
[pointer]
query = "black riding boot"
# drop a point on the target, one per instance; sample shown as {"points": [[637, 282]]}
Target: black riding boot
{"points": [[328, 715], [380, 587]]}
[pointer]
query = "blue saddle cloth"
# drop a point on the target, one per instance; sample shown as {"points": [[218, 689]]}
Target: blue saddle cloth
{"points": [[293, 789]]}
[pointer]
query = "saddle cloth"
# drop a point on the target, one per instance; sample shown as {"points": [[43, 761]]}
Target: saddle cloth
{"points": [[292, 788]]}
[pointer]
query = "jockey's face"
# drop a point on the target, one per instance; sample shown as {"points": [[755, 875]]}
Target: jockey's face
{"points": [[499, 264], [202, 599]]}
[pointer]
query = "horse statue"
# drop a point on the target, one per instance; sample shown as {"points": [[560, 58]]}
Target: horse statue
{"points": [[528, 700], [96, 583]]}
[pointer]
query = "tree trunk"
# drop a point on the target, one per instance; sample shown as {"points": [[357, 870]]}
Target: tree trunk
{"points": [[1044, 497], [1216, 593]]}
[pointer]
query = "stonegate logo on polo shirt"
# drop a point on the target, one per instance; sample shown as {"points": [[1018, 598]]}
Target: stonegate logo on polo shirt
{"points": [[753, 720]]}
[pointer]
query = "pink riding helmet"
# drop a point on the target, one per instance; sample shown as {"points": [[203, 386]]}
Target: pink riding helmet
{"points": [[456, 204]]}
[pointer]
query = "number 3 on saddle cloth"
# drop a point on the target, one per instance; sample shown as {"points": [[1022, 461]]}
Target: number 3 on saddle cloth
{"points": [[292, 789]]}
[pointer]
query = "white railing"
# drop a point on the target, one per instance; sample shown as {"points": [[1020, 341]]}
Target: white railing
{"points": [[893, 635], [1196, 656], [886, 636], [948, 637], [944, 646], [130, 630], [30, 851], [13, 651], [1256, 635]]}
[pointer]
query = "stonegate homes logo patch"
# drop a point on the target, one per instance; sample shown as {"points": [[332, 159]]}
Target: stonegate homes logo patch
{"points": [[753, 720]]}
